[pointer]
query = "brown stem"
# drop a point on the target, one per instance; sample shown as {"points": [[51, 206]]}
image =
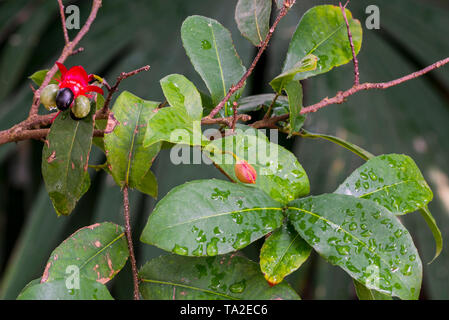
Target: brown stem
{"points": [[114, 88], [239, 85], [351, 42], [130, 242], [342, 95], [66, 52], [228, 121], [64, 27]]}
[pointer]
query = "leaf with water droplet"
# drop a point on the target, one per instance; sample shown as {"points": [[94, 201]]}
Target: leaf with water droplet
{"points": [[227, 277], [400, 194], [279, 173], [282, 253], [189, 214], [322, 32], [370, 260]]}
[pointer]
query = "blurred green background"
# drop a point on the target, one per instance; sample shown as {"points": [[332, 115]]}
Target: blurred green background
{"points": [[412, 118]]}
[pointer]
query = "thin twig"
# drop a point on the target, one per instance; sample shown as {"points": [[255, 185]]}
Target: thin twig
{"points": [[114, 88], [264, 45], [64, 27], [342, 95], [351, 42], [76, 51], [226, 121], [130, 242], [268, 113], [234, 116]]}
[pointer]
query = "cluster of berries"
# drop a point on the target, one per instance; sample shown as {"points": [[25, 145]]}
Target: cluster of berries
{"points": [[72, 91]]}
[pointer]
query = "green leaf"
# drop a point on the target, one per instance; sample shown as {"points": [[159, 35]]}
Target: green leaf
{"points": [[128, 160], [308, 63], [322, 32], [180, 92], [282, 253], [211, 217], [295, 96], [393, 181], [430, 220], [253, 19], [99, 251], [174, 125], [227, 277], [211, 50], [39, 76], [57, 290], [65, 159], [363, 293], [279, 173], [363, 238], [345, 144], [256, 102]]}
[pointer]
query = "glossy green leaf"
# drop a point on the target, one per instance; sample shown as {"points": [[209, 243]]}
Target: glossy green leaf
{"points": [[211, 50], [295, 96], [228, 277], [322, 32], [99, 251], [57, 290], [392, 180], [211, 217], [39, 76], [430, 220], [253, 19], [180, 92], [173, 124], [256, 102], [128, 160], [279, 173], [308, 63], [345, 144], [363, 238], [65, 159], [282, 253], [363, 293]]}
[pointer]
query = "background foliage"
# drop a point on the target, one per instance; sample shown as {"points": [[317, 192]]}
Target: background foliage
{"points": [[410, 119]]}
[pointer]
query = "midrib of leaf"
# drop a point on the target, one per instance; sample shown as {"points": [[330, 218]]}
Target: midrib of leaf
{"points": [[218, 215], [218, 57], [101, 250], [257, 22], [385, 188], [285, 252], [189, 287], [347, 232], [324, 40], [131, 149], [66, 174]]}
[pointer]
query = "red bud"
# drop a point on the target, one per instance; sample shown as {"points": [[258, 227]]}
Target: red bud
{"points": [[245, 172]]}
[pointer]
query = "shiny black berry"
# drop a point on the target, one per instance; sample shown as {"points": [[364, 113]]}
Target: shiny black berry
{"points": [[64, 99]]}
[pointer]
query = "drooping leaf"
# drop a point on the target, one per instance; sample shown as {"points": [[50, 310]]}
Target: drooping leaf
{"points": [[295, 96], [211, 51], [322, 32], [392, 180], [211, 217], [282, 253], [65, 159], [128, 160], [98, 251], [173, 125], [308, 63], [57, 290], [256, 102], [253, 19], [279, 173], [363, 238], [363, 293], [180, 92], [345, 144], [427, 215], [228, 277], [39, 76]]}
